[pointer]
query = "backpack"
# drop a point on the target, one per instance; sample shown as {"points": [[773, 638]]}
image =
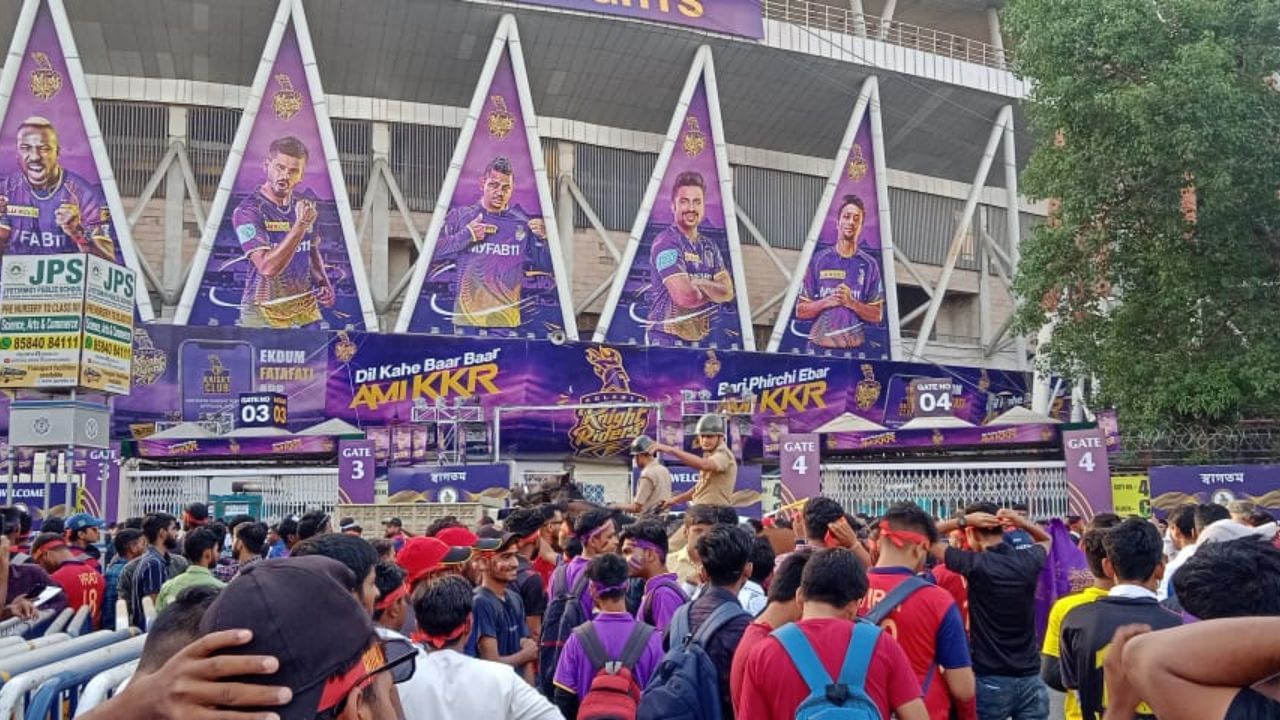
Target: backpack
{"points": [[686, 685], [665, 583], [614, 692], [896, 597], [564, 613], [846, 697]]}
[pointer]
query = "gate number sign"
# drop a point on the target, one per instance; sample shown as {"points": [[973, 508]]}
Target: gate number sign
{"points": [[932, 396], [263, 410]]}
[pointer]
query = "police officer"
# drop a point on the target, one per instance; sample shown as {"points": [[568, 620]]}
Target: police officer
{"points": [[654, 487], [717, 468]]}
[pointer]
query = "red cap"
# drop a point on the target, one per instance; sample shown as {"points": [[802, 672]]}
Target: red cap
{"points": [[457, 537], [423, 555]]}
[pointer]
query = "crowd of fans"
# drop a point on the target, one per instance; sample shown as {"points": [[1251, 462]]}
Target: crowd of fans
{"points": [[565, 610]]}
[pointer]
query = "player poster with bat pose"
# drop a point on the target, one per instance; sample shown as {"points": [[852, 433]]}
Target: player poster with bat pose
{"points": [[57, 194], [280, 249]]}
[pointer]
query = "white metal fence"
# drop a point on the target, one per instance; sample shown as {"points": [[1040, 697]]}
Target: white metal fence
{"points": [[284, 491], [943, 488]]}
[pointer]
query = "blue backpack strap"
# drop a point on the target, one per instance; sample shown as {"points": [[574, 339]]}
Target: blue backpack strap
{"points": [[862, 644], [717, 619], [804, 658], [896, 597], [678, 629]]}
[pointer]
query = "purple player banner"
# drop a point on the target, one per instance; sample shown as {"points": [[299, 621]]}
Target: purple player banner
{"points": [[492, 264], [681, 287], [272, 446], [731, 17], [53, 198], [839, 307], [356, 471], [948, 438], [281, 255], [1172, 486], [1088, 473], [449, 484]]}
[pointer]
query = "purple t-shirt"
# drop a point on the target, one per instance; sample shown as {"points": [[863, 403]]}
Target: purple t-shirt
{"points": [[662, 597], [840, 326], [490, 272], [261, 224], [577, 566], [30, 214], [674, 254], [574, 672]]}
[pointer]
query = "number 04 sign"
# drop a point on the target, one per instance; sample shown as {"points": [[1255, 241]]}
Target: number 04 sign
{"points": [[801, 465], [932, 397]]}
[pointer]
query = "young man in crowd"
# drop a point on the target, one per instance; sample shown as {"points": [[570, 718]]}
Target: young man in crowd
{"points": [[525, 526], [144, 577], [654, 486], [752, 597], [286, 536], [314, 523], [129, 544], [392, 612], [1095, 553], [1134, 561], [1002, 589], [598, 532], [175, 627], [500, 629], [424, 558], [80, 582], [1184, 532], [644, 544], [924, 617], [827, 525], [833, 584], [84, 532], [393, 530], [356, 554], [1237, 578], [550, 542], [613, 629], [784, 607], [200, 548], [249, 539], [460, 686], [349, 526], [698, 521]]}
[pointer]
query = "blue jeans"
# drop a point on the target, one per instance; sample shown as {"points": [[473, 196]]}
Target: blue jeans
{"points": [[1020, 698]]}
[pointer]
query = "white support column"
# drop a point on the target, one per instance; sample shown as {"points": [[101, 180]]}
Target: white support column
{"points": [[962, 229], [886, 17], [997, 39], [859, 18], [984, 283], [174, 206], [1013, 220], [379, 222], [566, 159]]}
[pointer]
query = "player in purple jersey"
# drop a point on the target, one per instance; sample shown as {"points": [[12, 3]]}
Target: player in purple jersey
{"points": [[843, 287], [287, 282], [695, 280], [47, 209], [491, 245]]}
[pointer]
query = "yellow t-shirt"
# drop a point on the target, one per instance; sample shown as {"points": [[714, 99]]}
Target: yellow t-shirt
{"points": [[1053, 637]]}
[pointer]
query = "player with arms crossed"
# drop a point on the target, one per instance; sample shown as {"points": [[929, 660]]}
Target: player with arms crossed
{"points": [[842, 288], [491, 244], [47, 209], [695, 280], [287, 281]]}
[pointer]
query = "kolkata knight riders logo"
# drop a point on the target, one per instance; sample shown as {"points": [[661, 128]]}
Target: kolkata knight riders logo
{"points": [[711, 367], [286, 102], [343, 348], [501, 121], [45, 82], [149, 362], [857, 167], [867, 391], [693, 142], [609, 430]]}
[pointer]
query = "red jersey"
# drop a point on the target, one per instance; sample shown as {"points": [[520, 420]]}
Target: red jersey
{"points": [[956, 584], [772, 688], [83, 586], [545, 569], [755, 632], [928, 627]]}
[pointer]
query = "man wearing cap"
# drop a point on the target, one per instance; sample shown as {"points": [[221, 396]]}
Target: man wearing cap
{"points": [[349, 526], [393, 530], [82, 584], [460, 686], [717, 468], [525, 525], [424, 558], [84, 531], [500, 629], [460, 537], [654, 487]]}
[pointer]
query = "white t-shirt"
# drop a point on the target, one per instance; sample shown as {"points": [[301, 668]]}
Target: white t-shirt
{"points": [[752, 597], [457, 686], [414, 685]]}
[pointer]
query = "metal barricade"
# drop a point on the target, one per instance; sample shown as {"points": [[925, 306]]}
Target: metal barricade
{"points": [[67, 677], [17, 627], [25, 646], [943, 488], [103, 686], [285, 491], [11, 667]]}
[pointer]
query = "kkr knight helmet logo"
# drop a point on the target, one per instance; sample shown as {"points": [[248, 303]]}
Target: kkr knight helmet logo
{"points": [[286, 102], [711, 367], [694, 142], [501, 121], [45, 82], [867, 392], [857, 168], [609, 430], [149, 362], [343, 348]]}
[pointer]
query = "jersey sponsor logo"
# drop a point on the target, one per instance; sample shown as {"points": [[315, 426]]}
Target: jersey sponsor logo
{"points": [[24, 211], [277, 225], [832, 275], [33, 238], [246, 232], [666, 259], [499, 249], [692, 257]]}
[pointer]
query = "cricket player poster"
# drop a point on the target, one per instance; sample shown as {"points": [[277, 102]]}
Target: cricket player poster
{"points": [[280, 248], [57, 193], [680, 282], [838, 301], [491, 264]]}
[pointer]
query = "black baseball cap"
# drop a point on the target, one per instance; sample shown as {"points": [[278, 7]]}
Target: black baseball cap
{"points": [[393, 521], [283, 601]]}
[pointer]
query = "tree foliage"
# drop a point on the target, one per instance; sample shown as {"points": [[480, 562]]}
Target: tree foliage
{"points": [[1154, 102]]}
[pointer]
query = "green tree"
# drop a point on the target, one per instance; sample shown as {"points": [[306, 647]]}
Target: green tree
{"points": [[1177, 317]]}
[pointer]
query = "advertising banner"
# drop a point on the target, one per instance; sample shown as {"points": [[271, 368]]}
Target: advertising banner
{"points": [[449, 484], [731, 17], [57, 193], [41, 306], [1131, 495], [109, 292], [876, 441], [357, 470], [243, 447], [280, 249], [747, 495], [1088, 474], [681, 280], [1172, 486], [837, 302], [491, 263]]}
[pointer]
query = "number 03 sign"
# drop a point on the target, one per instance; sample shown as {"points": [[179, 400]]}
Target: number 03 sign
{"points": [[263, 410], [801, 465]]}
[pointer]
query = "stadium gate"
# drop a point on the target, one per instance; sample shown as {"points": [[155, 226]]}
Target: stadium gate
{"points": [[943, 488], [284, 491]]}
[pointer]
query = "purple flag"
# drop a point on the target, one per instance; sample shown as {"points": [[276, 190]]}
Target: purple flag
{"points": [[1066, 571]]}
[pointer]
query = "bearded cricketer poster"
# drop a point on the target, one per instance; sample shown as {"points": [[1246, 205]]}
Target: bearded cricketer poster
{"points": [[57, 193], [280, 249], [491, 262], [680, 282], [838, 303]]}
